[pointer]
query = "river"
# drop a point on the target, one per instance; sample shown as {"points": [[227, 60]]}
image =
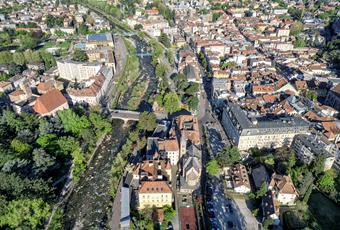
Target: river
{"points": [[89, 206]]}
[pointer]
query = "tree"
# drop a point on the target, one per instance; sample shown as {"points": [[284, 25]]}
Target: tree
{"points": [[169, 213], [299, 42], [318, 165], [213, 168], [291, 162], [295, 13], [171, 102], [138, 27], [83, 29], [42, 160], [203, 60], [27, 41], [101, 125], [229, 156], [6, 57], [15, 69], [161, 70], [269, 161], [67, 145], [90, 20], [5, 39], [228, 65], [48, 59], [4, 76], [45, 140], [19, 59], [326, 182], [79, 55], [216, 16], [164, 39], [192, 88], [147, 121], [170, 55], [54, 21], [31, 56], [20, 147], [262, 190], [79, 166], [25, 212], [193, 103], [296, 28], [312, 95], [72, 122]]}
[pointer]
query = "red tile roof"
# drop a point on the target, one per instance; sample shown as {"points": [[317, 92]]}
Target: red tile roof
{"points": [[49, 102], [155, 187], [187, 219]]}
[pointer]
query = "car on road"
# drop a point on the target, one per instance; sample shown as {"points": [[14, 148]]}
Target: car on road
{"points": [[230, 224], [170, 226], [211, 215]]}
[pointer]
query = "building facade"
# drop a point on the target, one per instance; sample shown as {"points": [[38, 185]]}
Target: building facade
{"points": [[154, 193], [77, 71], [262, 132], [283, 189], [308, 147]]}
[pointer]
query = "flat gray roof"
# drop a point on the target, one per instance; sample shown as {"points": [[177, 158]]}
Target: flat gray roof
{"points": [[264, 122]]}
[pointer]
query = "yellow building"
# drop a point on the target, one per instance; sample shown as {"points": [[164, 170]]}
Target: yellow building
{"points": [[154, 193], [99, 40]]}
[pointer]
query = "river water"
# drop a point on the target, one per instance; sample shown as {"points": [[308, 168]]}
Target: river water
{"points": [[89, 206]]}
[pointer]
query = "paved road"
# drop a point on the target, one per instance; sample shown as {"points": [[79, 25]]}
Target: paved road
{"points": [[249, 222], [222, 207]]}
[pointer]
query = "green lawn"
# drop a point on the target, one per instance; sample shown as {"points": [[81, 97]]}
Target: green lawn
{"points": [[64, 46], [326, 212]]}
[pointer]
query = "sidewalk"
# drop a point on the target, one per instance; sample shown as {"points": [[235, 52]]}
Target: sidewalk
{"points": [[249, 221]]}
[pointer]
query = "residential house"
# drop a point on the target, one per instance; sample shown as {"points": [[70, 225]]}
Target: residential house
{"points": [[333, 97], [50, 103], [260, 176], [188, 131], [308, 147], [154, 193], [169, 149], [283, 188], [240, 178]]}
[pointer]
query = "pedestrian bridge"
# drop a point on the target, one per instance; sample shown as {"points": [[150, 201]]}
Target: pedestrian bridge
{"points": [[127, 115], [143, 54]]}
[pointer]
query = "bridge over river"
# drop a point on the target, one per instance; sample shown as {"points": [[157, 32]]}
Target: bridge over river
{"points": [[127, 115]]}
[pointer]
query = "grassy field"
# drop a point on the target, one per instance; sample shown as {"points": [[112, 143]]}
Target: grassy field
{"points": [[325, 211], [64, 46]]}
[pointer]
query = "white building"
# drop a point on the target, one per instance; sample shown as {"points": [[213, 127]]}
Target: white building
{"points": [[77, 71], [169, 149], [283, 188]]}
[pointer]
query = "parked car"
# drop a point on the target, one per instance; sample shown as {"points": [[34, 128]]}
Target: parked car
{"points": [[230, 224]]}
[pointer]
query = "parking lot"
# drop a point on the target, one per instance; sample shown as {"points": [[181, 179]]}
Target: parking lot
{"points": [[215, 142], [220, 209], [217, 138]]}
